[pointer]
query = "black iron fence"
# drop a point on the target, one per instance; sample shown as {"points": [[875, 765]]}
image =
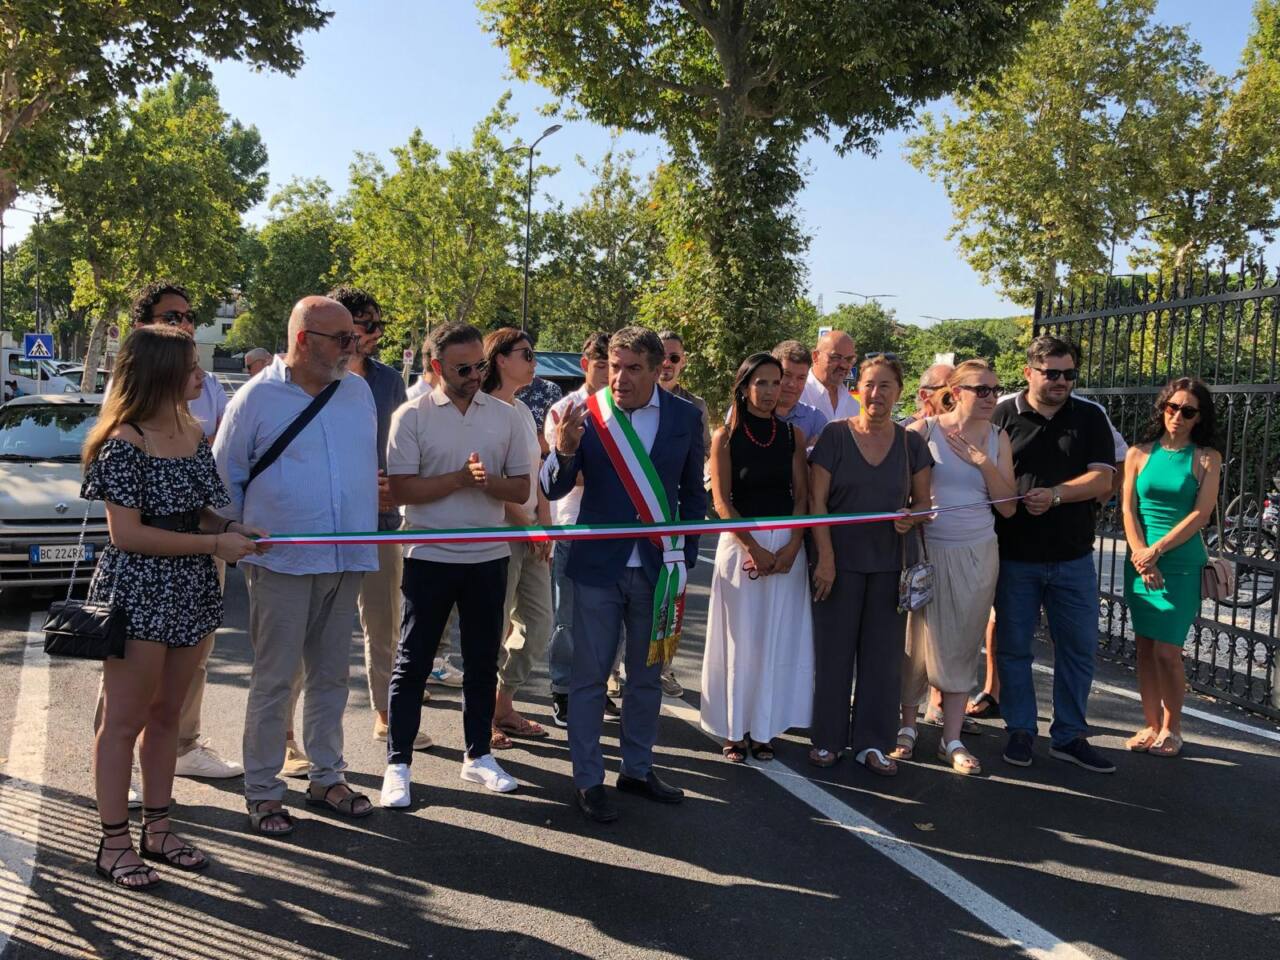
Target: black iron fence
{"points": [[1135, 335]]}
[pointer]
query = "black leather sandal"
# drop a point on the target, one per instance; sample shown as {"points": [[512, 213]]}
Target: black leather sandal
{"points": [[117, 874], [178, 857]]}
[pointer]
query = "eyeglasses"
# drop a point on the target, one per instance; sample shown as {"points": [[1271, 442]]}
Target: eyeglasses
{"points": [[981, 389], [1188, 412], [842, 359], [1053, 375], [371, 326], [526, 352], [344, 340], [464, 369], [176, 318], [675, 358]]}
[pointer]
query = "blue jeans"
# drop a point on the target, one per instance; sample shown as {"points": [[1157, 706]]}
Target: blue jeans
{"points": [[1068, 591], [560, 649]]}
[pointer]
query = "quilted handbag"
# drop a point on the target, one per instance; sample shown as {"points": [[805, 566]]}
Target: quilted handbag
{"points": [[915, 583], [77, 628]]}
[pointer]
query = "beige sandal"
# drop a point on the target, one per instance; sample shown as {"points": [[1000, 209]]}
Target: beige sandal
{"points": [[906, 747], [1141, 741], [1170, 745], [958, 756]]}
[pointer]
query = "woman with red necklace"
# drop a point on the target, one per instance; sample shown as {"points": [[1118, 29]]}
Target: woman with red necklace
{"points": [[757, 668]]}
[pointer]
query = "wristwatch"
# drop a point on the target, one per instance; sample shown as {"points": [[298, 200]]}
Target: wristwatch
{"points": [[1057, 497]]}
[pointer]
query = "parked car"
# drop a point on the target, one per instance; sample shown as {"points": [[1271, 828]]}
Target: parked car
{"points": [[74, 371], [20, 377], [41, 512]]}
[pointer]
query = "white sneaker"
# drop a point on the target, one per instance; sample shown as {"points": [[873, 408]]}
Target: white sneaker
{"points": [[486, 772], [203, 761], [395, 786], [444, 673]]}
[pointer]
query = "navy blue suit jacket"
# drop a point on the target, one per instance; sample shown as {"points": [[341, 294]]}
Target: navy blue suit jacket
{"points": [[677, 456]]}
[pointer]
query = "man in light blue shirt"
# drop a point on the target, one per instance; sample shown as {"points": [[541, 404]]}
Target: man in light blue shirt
{"points": [[302, 600]]}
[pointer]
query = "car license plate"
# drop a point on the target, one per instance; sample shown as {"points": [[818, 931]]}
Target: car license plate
{"points": [[61, 553]]}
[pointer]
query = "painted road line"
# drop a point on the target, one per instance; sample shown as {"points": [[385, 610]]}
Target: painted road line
{"points": [[1029, 937], [22, 788], [1186, 711]]}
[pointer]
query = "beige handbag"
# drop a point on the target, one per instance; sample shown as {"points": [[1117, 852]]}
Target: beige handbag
{"points": [[1218, 577]]}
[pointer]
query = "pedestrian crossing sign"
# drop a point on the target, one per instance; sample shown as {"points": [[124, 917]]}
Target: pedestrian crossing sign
{"points": [[37, 346]]}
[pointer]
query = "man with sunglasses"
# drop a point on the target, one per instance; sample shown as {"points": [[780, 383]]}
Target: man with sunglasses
{"points": [[256, 360], [932, 383], [456, 456], [302, 599], [833, 361], [1063, 458]]}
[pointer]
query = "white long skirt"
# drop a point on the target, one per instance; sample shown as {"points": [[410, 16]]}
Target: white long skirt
{"points": [[757, 668]]}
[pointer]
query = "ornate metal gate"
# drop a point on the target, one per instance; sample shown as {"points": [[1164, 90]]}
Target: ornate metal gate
{"points": [[1135, 335]]}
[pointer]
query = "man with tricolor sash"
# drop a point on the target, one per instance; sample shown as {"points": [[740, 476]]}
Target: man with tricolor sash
{"points": [[639, 452]]}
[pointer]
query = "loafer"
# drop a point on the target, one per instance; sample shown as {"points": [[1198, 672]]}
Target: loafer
{"points": [[651, 787], [594, 804], [1018, 750], [1080, 752]]}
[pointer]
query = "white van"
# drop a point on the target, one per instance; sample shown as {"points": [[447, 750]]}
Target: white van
{"points": [[24, 378]]}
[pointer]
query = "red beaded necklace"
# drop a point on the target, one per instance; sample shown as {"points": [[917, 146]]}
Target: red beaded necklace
{"points": [[773, 435]]}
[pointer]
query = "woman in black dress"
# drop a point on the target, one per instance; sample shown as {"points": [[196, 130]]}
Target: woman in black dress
{"points": [[148, 459]]}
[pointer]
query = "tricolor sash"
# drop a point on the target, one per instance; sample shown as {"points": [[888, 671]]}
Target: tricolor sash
{"points": [[643, 485]]}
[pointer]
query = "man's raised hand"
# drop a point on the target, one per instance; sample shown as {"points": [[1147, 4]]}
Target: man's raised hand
{"points": [[569, 429]]}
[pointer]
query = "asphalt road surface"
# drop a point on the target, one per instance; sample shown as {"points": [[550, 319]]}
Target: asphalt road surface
{"points": [[1166, 859]]}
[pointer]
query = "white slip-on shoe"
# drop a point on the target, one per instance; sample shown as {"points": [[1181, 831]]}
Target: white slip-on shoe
{"points": [[486, 772], [203, 761], [395, 786]]}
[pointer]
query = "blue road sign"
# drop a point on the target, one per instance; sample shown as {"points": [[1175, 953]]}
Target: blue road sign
{"points": [[37, 346]]}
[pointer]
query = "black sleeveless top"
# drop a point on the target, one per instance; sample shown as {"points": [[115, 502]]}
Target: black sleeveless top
{"points": [[760, 485]]}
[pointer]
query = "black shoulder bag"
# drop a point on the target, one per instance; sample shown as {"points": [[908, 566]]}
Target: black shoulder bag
{"points": [[80, 629], [299, 424]]}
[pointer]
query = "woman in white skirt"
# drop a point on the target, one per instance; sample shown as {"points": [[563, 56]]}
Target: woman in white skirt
{"points": [[757, 669], [973, 463]]}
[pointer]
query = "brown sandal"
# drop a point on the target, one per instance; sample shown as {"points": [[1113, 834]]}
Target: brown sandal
{"points": [[877, 762], [517, 726], [499, 740], [344, 805], [823, 758]]}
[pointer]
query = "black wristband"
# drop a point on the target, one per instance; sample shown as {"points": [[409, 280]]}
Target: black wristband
{"points": [[226, 526]]}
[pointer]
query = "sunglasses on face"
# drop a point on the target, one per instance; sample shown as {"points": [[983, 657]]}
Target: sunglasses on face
{"points": [[981, 390], [464, 369], [176, 318], [371, 326], [1188, 412], [526, 352], [675, 359], [344, 340], [1053, 375]]}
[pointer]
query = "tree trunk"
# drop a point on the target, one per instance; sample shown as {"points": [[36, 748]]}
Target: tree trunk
{"points": [[97, 336]]}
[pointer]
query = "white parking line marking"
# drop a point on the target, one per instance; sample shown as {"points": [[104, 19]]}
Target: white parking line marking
{"points": [[24, 774], [1032, 939], [1186, 711]]}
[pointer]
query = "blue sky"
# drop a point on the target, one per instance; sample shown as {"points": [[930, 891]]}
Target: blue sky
{"points": [[382, 67]]}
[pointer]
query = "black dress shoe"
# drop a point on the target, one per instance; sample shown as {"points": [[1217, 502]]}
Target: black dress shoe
{"points": [[611, 709], [651, 788], [560, 709], [594, 802]]}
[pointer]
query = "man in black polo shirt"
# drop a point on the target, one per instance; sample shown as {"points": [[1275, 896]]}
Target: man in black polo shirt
{"points": [[1063, 456]]}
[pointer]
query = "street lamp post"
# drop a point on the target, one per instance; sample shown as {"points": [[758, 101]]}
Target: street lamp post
{"points": [[528, 220], [866, 296]]}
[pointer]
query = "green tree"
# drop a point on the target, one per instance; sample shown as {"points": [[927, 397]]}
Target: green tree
{"points": [[155, 193], [63, 64], [436, 237], [38, 271], [1107, 129], [734, 86], [302, 249], [597, 258]]}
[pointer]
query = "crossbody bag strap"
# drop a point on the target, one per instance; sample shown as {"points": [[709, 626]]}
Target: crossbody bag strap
{"points": [[290, 432]]}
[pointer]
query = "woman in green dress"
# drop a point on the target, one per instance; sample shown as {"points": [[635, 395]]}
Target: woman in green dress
{"points": [[1170, 487]]}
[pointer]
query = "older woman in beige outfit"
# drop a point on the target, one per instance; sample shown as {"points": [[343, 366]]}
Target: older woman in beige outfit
{"points": [[973, 463]]}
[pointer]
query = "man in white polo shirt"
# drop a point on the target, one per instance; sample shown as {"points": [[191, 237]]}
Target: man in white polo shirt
{"points": [[833, 360], [455, 457]]}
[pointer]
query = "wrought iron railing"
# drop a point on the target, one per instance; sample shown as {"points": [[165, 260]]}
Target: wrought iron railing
{"points": [[1134, 336]]}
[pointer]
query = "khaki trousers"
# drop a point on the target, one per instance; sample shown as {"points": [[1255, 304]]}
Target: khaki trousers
{"points": [[529, 620]]}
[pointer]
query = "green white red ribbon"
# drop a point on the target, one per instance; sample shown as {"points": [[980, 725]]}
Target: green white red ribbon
{"points": [[644, 487]]}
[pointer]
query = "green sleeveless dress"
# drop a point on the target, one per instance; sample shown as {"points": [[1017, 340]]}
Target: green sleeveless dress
{"points": [[1166, 492]]}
